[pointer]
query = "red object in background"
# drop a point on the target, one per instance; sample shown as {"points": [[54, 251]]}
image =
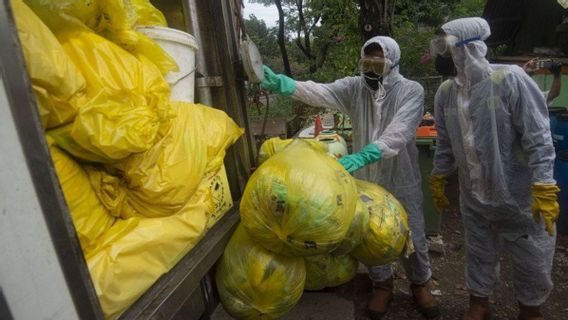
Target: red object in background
{"points": [[426, 132], [425, 59], [318, 127]]}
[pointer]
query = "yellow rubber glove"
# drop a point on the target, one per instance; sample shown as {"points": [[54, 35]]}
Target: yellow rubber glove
{"points": [[545, 202], [439, 199]]}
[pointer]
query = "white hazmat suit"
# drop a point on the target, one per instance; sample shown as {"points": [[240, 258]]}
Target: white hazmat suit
{"points": [[493, 127], [387, 118]]}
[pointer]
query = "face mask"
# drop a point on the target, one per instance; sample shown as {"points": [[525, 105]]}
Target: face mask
{"points": [[373, 80], [445, 66]]}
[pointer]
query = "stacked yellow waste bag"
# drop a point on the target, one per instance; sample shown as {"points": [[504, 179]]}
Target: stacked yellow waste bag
{"points": [[115, 20], [133, 165], [301, 203], [90, 217], [255, 283], [328, 270], [275, 145], [388, 226], [58, 85]]}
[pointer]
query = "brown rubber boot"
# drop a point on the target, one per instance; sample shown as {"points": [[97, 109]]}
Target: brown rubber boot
{"points": [[530, 313], [478, 308], [425, 301], [382, 296]]}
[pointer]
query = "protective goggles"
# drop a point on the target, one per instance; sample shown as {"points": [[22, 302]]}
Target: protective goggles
{"points": [[442, 45], [378, 66]]}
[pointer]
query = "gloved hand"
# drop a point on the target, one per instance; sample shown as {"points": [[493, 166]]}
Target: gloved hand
{"points": [[439, 199], [555, 68], [279, 83], [369, 154], [545, 202]]}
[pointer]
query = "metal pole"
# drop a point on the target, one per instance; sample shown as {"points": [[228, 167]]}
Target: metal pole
{"points": [[202, 89]]}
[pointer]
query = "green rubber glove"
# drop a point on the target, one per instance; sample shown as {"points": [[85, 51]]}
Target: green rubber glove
{"points": [[279, 83], [369, 154]]}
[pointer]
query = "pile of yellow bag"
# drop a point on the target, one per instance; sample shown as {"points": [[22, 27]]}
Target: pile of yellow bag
{"points": [[305, 224], [133, 165]]}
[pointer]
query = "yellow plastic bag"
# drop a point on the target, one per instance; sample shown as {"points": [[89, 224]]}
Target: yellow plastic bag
{"points": [[90, 218], [139, 44], [329, 271], [127, 107], [118, 23], [57, 83], [113, 19], [274, 145], [68, 14], [221, 132], [357, 231], [110, 189], [161, 180], [117, 15], [106, 131], [388, 231], [254, 283], [135, 252], [147, 14], [299, 202]]}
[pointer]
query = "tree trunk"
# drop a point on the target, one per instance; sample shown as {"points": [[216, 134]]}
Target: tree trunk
{"points": [[282, 39], [375, 18]]}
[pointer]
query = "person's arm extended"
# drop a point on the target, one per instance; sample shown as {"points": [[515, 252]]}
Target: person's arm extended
{"points": [[337, 95], [556, 83]]}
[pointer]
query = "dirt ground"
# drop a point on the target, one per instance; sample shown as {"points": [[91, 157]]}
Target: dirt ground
{"points": [[448, 272]]}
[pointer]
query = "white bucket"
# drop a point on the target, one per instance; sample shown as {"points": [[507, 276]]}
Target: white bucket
{"points": [[181, 46]]}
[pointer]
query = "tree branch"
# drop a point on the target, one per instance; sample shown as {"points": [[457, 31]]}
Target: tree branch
{"points": [[314, 24], [281, 38]]}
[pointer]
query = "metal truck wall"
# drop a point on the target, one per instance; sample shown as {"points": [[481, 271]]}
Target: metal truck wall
{"points": [[43, 273]]}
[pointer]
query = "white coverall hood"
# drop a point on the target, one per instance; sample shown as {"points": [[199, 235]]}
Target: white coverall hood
{"points": [[469, 51], [392, 52]]}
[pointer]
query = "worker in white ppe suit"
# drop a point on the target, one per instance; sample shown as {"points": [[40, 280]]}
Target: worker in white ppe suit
{"points": [[385, 110], [493, 127]]}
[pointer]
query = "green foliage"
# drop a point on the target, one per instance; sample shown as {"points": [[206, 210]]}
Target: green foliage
{"points": [[467, 8], [339, 27], [265, 39], [422, 12], [413, 42], [416, 22], [335, 40], [278, 107]]}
